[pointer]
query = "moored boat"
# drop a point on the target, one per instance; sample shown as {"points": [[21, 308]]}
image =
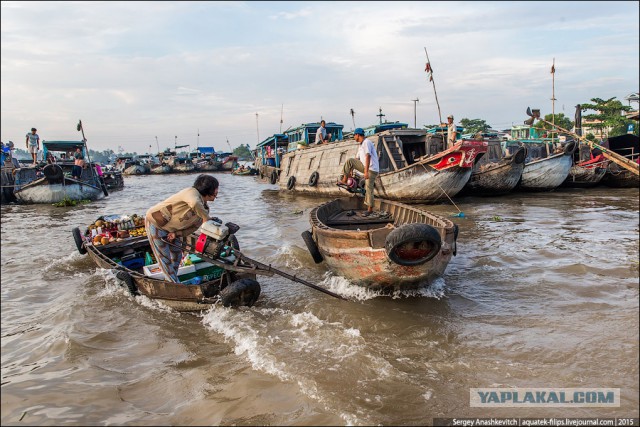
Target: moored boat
{"points": [[588, 169], [181, 164], [112, 178], [227, 161], [415, 166], [136, 167], [54, 183], [494, 173], [399, 247], [616, 175]]}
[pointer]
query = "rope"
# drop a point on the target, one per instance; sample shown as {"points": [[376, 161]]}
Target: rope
{"points": [[445, 193]]}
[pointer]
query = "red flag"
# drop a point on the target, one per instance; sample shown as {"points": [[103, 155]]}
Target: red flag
{"points": [[427, 68], [553, 69]]}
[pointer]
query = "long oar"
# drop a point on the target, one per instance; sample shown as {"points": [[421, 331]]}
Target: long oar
{"points": [[265, 267]]}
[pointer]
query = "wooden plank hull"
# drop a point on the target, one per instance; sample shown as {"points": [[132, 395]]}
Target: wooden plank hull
{"points": [[621, 178], [135, 170], [425, 181], [158, 170], [43, 192], [584, 177], [547, 173], [494, 178], [359, 255]]}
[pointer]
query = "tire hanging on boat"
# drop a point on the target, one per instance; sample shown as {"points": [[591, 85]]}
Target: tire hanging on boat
{"points": [[570, 148], [413, 244], [128, 282], [53, 172], [313, 179], [312, 247], [455, 239], [520, 156], [274, 177], [77, 236], [291, 182], [104, 187], [243, 292]]}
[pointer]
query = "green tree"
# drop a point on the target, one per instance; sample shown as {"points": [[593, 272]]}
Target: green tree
{"points": [[243, 153], [608, 115], [474, 126], [558, 119]]}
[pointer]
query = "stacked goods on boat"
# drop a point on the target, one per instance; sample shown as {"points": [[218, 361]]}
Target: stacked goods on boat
{"points": [[116, 229]]}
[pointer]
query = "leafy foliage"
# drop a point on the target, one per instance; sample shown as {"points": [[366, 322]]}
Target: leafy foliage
{"points": [[608, 115], [474, 125], [559, 120], [243, 153]]}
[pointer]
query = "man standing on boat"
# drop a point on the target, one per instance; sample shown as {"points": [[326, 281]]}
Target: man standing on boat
{"points": [[367, 162], [451, 132], [322, 137], [33, 145], [176, 218]]}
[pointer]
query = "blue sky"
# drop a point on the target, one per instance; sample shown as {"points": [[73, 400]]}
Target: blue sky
{"points": [[136, 70]]}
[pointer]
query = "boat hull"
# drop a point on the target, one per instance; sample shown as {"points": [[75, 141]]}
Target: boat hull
{"points": [[494, 179], [43, 192], [158, 170], [135, 170], [584, 177], [547, 173], [360, 255], [621, 178]]}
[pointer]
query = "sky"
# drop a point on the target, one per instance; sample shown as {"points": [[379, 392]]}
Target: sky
{"points": [[147, 75]]}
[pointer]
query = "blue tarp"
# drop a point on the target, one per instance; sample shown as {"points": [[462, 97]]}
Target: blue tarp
{"points": [[206, 150]]}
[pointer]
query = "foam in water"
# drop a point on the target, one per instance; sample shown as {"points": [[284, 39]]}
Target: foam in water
{"points": [[343, 287]]}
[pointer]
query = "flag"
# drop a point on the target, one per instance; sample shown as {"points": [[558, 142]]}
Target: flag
{"points": [[429, 71], [553, 69]]}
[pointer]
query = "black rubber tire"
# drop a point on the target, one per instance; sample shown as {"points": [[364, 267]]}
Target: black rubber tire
{"points": [[274, 177], [520, 156], [422, 238], [291, 182], [570, 148], [261, 175], [53, 172], [313, 179], [312, 247], [243, 292], [77, 236], [128, 282]]}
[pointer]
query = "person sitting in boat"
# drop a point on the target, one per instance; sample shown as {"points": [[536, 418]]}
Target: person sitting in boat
{"points": [[170, 221], [322, 137], [367, 162], [50, 158], [78, 164]]}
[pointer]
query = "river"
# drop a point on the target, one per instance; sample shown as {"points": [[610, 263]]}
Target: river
{"points": [[542, 293]]}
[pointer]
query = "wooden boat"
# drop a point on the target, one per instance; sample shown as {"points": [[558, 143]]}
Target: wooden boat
{"points": [[617, 176], [242, 172], [227, 162], [9, 167], [204, 159], [53, 183], [136, 167], [415, 166], [161, 168], [112, 178], [405, 248], [222, 279], [494, 173], [588, 169], [268, 155], [181, 164]]}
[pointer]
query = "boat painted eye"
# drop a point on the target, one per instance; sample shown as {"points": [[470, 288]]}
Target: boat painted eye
{"points": [[451, 159]]}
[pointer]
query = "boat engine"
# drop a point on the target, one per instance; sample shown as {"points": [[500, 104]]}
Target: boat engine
{"points": [[215, 238], [354, 185]]}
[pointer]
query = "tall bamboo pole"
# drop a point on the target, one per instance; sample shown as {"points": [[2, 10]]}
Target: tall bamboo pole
{"points": [[434, 86]]}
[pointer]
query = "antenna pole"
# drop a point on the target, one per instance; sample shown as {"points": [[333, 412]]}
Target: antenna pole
{"points": [[415, 102], [281, 112], [158, 145]]}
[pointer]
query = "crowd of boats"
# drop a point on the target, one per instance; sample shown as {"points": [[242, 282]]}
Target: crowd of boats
{"points": [[400, 247]]}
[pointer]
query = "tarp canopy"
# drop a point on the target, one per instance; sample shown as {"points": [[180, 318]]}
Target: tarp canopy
{"points": [[63, 146], [624, 144], [206, 150]]}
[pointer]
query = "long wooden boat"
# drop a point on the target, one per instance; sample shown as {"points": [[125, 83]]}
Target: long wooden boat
{"points": [[401, 248], [494, 173], [227, 162], [220, 280], [181, 164], [112, 179], [53, 183], [135, 168], [161, 169], [415, 166]]}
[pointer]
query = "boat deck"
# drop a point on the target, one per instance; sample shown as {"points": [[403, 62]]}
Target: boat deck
{"points": [[353, 219]]}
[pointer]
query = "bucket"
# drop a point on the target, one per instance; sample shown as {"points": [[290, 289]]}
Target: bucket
{"points": [[271, 162]]}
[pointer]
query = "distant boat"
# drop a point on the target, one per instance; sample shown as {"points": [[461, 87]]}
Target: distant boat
{"points": [[53, 183], [181, 164], [112, 178], [588, 169], [227, 161], [136, 167]]}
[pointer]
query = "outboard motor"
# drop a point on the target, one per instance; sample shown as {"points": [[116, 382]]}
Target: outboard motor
{"points": [[217, 240]]}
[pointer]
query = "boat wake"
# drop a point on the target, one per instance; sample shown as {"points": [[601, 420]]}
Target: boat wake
{"points": [[343, 287]]}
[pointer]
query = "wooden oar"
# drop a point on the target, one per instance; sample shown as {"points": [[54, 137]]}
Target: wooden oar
{"points": [[261, 268]]}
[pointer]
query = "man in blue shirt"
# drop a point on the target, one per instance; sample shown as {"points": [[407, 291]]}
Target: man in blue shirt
{"points": [[367, 163]]}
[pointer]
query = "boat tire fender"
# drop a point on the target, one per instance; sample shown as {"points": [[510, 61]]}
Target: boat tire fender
{"points": [[53, 172], [128, 282], [243, 292], [570, 148], [291, 182], [313, 179], [413, 244], [261, 175], [520, 156], [312, 247], [77, 236], [104, 187], [274, 177]]}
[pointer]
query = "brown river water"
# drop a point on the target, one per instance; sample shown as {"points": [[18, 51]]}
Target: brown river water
{"points": [[543, 293]]}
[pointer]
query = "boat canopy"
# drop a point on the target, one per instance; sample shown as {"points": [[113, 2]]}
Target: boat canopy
{"points": [[63, 146], [279, 138], [206, 150], [373, 129], [305, 134]]}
